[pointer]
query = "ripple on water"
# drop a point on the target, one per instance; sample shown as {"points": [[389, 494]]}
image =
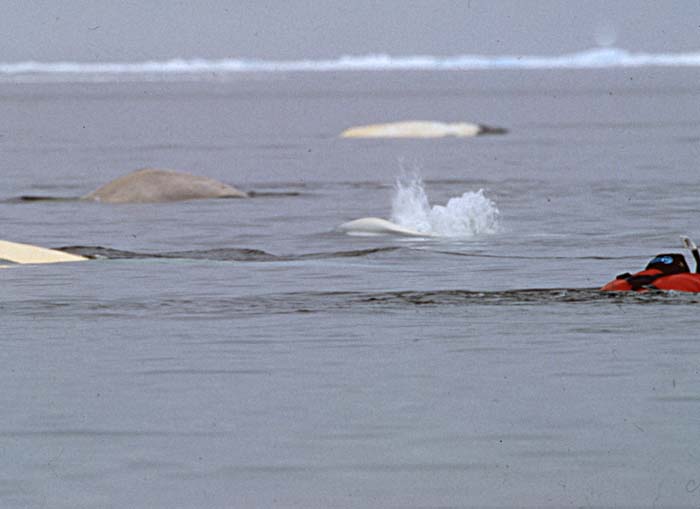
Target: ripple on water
{"points": [[323, 302]]}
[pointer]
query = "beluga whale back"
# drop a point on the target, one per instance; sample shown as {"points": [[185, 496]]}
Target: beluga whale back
{"points": [[378, 226], [150, 185], [18, 253], [420, 129]]}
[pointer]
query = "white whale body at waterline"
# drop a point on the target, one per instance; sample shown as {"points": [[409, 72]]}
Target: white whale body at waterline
{"points": [[18, 253], [419, 129], [378, 226]]}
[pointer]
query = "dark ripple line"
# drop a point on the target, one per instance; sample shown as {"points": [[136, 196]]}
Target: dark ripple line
{"points": [[30, 198], [258, 255], [323, 302], [526, 296], [35, 198], [525, 257], [218, 254]]}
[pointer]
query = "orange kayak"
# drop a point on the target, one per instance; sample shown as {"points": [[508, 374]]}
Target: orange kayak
{"points": [[664, 272]]}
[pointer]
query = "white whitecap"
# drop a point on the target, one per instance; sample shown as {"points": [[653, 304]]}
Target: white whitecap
{"points": [[206, 69]]}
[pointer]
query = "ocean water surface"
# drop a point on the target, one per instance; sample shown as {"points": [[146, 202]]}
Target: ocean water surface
{"points": [[244, 353]]}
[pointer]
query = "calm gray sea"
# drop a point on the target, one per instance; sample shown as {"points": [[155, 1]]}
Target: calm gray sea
{"points": [[274, 362]]}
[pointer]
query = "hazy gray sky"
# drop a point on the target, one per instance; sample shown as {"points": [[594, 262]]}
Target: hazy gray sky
{"points": [[135, 30]]}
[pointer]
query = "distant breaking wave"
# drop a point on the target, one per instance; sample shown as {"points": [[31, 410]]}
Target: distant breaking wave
{"points": [[201, 69]]}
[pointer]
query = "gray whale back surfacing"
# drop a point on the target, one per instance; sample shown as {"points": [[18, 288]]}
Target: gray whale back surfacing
{"points": [[151, 185]]}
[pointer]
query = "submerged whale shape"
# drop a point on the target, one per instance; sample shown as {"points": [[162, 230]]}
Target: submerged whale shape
{"points": [[151, 185], [378, 226], [419, 129]]}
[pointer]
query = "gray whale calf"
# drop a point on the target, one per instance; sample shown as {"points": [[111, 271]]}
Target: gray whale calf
{"points": [[151, 185]]}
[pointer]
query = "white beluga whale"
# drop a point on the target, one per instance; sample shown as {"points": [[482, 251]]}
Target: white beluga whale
{"points": [[19, 253], [378, 226], [420, 129], [150, 185]]}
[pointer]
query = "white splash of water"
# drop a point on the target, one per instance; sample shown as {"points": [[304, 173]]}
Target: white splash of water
{"points": [[465, 216]]}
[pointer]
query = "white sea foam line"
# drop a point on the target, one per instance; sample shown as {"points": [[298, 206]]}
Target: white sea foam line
{"points": [[208, 69]]}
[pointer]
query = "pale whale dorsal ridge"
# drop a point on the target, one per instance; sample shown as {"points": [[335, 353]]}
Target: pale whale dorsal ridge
{"points": [[419, 129], [16, 252], [378, 226], [151, 185]]}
